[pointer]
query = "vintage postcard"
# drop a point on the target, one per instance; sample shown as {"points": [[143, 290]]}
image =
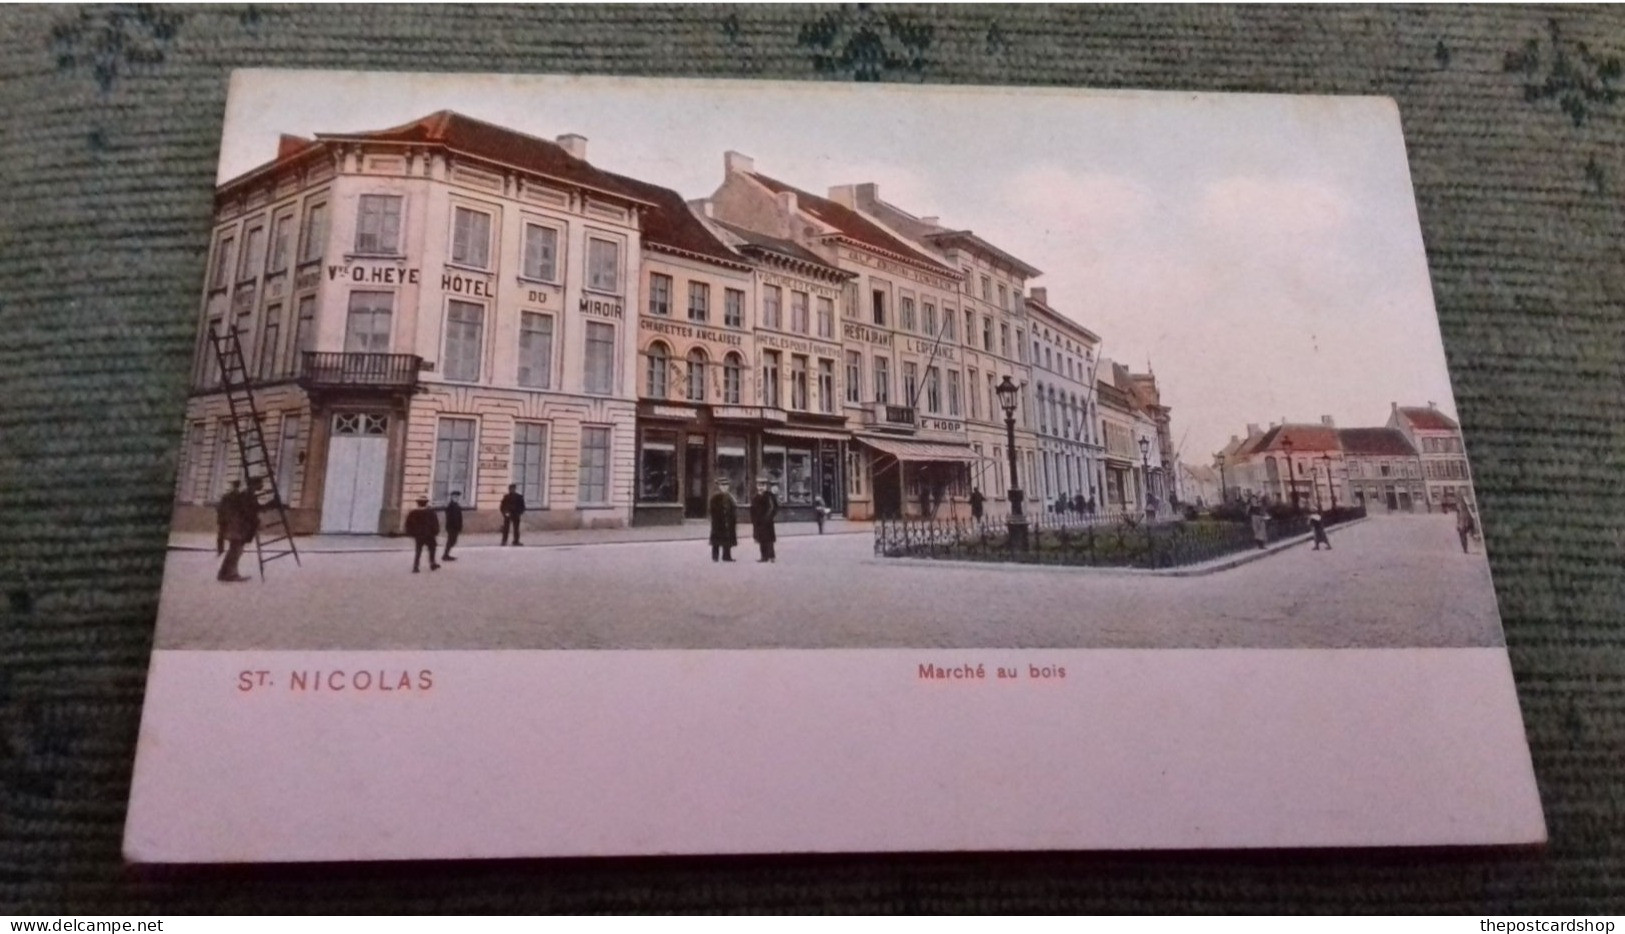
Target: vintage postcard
{"points": [[588, 466]]}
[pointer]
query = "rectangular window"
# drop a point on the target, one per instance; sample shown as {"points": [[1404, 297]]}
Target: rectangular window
{"points": [[933, 390], [659, 294], [798, 313], [366, 328], [826, 386], [222, 262], [987, 289], [699, 301], [1004, 296], [987, 334], [770, 378], [732, 378], [974, 385], [826, 316], [195, 452], [697, 364], [1021, 349], [530, 462], [535, 350], [378, 225], [304, 333], [603, 265], [471, 238], [878, 304], [287, 457], [465, 327], [600, 359], [594, 466], [949, 329], [280, 233], [854, 376], [253, 255], [1004, 340], [270, 335], [541, 253], [992, 399], [970, 327], [453, 459], [882, 380], [313, 233], [905, 309], [657, 467], [953, 392], [930, 312], [733, 308], [911, 382], [798, 382], [772, 307]]}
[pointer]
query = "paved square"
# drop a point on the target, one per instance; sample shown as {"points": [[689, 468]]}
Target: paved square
{"points": [[1398, 581]]}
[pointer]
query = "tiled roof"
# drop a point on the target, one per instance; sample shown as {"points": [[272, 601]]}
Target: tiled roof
{"points": [[1303, 438], [500, 144], [672, 224], [855, 226], [1386, 442], [1429, 419], [796, 251]]}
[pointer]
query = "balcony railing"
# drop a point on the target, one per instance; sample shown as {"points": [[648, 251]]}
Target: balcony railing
{"points": [[382, 371], [886, 415]]}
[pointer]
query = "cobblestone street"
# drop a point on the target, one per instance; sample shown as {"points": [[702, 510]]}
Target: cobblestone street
{"points": [[1389, 582]]}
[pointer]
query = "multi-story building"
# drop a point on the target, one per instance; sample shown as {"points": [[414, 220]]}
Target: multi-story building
{"points": [[1162, 481], [1299, 464], [1437, 439], [436, 307], [922, 434], [1384, 471], [1064, 368]]}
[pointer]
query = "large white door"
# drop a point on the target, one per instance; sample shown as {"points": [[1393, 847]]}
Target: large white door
{"points": [[357, 457]]}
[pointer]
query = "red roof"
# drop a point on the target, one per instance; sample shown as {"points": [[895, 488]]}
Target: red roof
{"points": [[673, 225], [1303, 437], [1385, 442], [855, 226], [499, 144], [1429, 419]]}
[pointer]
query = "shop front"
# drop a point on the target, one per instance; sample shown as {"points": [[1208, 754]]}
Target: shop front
{"points": [[808, 466], [919, 479]]}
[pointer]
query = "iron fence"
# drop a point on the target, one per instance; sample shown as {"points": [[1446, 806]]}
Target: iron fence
{"points": [[1085, 541]]}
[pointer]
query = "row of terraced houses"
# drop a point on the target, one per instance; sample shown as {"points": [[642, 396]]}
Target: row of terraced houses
{"points": [[451, 305]]}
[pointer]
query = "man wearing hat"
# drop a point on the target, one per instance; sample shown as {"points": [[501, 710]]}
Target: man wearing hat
{"points": [[724, 514], [423, 525], [764, 506], [454, 524], [238, 516]]}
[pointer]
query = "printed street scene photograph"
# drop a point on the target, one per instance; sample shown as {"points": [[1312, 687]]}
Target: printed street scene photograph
{"points": [[530, 363]]}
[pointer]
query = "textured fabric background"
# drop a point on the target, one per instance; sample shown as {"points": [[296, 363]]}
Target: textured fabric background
{"points": [[109, 126]]}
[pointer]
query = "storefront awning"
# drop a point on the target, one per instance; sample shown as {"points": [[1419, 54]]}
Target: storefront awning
{"points": [[808, 434], [907, 450]]}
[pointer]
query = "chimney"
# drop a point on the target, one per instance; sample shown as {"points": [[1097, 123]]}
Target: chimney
{"points": [[787, 201], [1393, 406], [705, 206], [737, 162], [932, 221], [843, 195], [868, 191], [575, 144], [1234, 439], [1327, 421], [1040, 294], [1252, 430], [288, 145]]}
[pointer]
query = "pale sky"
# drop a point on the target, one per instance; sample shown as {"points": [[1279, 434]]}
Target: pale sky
{"points": [[1262, 252]]}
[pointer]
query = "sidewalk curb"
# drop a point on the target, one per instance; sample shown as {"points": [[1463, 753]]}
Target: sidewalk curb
{"points": [[1218, 564]]}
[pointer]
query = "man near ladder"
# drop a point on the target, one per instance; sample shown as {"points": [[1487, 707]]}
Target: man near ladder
{"points": [[239, 521]]}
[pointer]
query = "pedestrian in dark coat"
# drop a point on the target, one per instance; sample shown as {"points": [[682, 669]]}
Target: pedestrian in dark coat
{"points": [[820, 513], [1078, 504], [763, 509], [724, 514], [1261, 525], [512, 508], [238, 517], [1466, 528], [424, 526], [454, 524], [976, 501], [1317, 525]]}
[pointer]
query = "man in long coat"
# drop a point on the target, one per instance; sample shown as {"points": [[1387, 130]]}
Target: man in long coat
{"points": [[512, 508], [239, 521], [763, 508], [424, 526], [724, 514], [454, 524]]}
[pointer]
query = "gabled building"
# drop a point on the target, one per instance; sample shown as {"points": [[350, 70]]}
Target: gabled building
{"points": [[1384, 471], [1293, 463], [1438, 442]]}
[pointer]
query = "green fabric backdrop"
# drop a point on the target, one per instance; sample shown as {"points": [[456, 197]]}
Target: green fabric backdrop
{"points": [[111, 122]]}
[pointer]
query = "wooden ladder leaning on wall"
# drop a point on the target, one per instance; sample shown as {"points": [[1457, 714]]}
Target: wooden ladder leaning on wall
{"points": [[274, 539]]}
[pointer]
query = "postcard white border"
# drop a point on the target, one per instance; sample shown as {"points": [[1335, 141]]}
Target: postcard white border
{"points": [[532, 753]]}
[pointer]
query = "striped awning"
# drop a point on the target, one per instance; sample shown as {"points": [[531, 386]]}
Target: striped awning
{"points": [[808, 434], [910, 450]]}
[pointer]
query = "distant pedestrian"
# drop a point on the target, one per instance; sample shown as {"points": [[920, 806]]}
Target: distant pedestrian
{"points": [[763, 509], [238, 518], [976, 501], [424, 527], [221, 514], [454, 524], [1465, 526], [820, 513], [1317, 525], [512, 508], [1078, 504], [724, 514], [1261, 526]]}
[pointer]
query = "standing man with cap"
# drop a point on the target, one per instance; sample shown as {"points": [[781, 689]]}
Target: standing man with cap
{"points": [[763, 508], [513, 509], [423, 525], [454, 524], [724, 514], [238, 516]]}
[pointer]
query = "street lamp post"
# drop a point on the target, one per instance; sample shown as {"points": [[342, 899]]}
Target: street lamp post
{"points": [[1331, 488], [1291, 478], [1018, 521], [1145, 475]]}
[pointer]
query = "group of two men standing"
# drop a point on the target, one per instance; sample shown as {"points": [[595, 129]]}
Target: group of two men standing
{"points": [[423, 526], [764, 509]]}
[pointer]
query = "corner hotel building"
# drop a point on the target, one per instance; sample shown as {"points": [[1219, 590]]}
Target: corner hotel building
{"points": [[451, 305]]}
